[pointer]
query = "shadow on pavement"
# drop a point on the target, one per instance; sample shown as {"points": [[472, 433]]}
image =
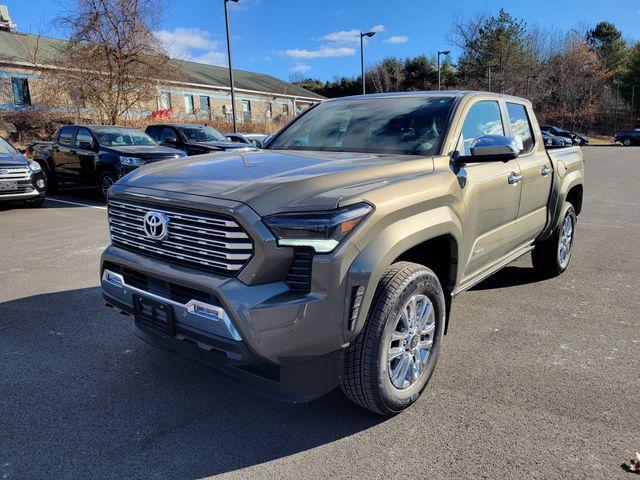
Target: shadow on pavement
{"points": [[82, 397], [509, 276]]}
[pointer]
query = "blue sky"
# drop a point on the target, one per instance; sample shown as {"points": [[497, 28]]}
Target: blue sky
{"points": [[320, 37]]}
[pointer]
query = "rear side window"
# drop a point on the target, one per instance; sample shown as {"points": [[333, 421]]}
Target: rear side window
{"points": [[483, 118], [520, 126], [66, 135], [84, 139]]}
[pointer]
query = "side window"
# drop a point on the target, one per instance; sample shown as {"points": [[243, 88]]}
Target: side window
{"points": [[520, 126], [66, 135], [483, 118], [168, 133], [153, 132], [84, 139]]}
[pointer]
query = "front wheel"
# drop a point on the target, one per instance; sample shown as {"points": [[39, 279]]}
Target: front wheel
{"points": [[388, 365], [626, 142], [105, 181], [551, 256]]}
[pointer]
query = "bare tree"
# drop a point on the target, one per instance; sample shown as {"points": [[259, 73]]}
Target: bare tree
{"points": [[113, 61]]}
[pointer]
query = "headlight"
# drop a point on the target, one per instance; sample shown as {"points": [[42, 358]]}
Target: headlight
{"points": [[34, 166], [131, 161], [323, 231]]}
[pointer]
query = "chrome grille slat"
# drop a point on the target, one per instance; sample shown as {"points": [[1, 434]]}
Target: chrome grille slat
{"points": [[213, 241], [15, 173], [136, 212]]}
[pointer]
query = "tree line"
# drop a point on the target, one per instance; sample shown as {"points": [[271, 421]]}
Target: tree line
{"points": [[580, 80]]}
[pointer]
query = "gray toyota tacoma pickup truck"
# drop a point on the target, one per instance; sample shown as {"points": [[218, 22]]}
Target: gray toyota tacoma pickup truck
{"points": [[331, 258]]}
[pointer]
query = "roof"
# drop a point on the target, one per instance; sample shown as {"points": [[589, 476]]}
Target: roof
{"points": [[20, 47], [430, 93]]}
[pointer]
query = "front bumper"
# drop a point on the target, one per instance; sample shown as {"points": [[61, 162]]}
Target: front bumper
{"points": [[31, 188], [287, 344]]}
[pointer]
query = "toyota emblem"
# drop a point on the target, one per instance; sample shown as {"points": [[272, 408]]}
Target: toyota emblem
{"points": [[156, 225]]}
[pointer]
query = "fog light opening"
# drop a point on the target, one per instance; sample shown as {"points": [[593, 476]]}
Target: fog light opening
{"points": [[113, 278], [40, 184]]}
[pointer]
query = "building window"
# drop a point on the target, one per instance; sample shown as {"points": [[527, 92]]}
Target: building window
{"points": [[285, 108], [188, 104], [269, 110], [21, 94], [246, 111], [164, 101], [205, 106]]}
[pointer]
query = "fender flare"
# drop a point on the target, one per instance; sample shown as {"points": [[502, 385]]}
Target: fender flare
{"points": [[395, 239], [557, 199]]}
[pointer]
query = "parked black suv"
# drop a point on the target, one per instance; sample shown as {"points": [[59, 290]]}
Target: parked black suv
{"points": [[21, 179], [192, 138], [97, 155]]}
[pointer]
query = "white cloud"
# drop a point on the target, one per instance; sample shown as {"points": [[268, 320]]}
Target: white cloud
{"points": [[346, 37], [397, 39], [192, 44], [300, 69], [324, 52]]}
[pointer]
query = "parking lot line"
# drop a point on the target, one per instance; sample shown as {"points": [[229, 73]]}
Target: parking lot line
{"points": [[76, 203]]}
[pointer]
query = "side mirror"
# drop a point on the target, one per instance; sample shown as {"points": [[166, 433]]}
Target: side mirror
{"points": [[171, 141], [492, 148]]}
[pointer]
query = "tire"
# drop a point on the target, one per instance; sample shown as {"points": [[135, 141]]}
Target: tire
{"points": [[105, 181], [368, 370], [34, 203], [547, 257], [626, 142], [52, 181]]}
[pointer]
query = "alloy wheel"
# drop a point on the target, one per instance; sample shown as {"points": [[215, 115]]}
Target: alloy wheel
{"points": [[564, 245], [411, 341]]}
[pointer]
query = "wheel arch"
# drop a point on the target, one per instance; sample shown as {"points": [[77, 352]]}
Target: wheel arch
{"points": [[435, 246]]}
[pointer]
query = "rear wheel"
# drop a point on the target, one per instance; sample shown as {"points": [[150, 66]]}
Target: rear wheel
{"points": [[105, 181], [388, 365], [551, 256]]}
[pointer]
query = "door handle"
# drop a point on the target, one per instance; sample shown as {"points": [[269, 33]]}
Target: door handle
{"points": [[514, 178], [546, 171]]}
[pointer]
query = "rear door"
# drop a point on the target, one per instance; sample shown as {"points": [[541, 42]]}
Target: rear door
{"points": [[491, 194], [85, 155], [63, 157], [536, 170]]}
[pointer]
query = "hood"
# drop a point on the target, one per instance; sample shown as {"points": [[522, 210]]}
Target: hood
{"points": [[149, 152], [271, 181], [13, 160], [224, 145]]}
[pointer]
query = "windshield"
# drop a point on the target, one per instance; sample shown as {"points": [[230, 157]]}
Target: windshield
{"points": [[6, 148], [402, 125], [203, 134], [123, 137]]}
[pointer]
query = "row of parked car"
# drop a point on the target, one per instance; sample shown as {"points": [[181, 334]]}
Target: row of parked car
{"points": [[100, 155]]}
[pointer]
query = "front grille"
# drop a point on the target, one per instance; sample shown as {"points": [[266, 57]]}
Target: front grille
{"points": [[20, 175], [198, 239], [14, 173]]}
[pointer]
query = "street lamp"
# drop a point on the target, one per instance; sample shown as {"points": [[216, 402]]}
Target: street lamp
{"points": [[446, 52], [362, 35], [233, 93], [526, 93]]}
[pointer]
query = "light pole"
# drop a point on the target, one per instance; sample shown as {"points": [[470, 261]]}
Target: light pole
{"points": [[233, 93], [362, 35], [633, 101], [446, 52], [529, 77]]}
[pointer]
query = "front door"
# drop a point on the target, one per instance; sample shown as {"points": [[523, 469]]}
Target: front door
{"points": [[536, 170], [491, 194], [85, 155]]}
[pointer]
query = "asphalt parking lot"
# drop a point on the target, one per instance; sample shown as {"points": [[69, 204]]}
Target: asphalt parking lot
{"points": [[535, 380]]}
